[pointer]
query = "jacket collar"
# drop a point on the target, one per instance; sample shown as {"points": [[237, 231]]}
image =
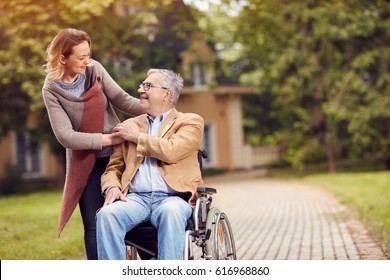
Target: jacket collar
{"points": [[168, 122], [165, 126]]}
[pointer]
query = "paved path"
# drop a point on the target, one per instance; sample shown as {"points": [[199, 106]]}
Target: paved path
{"points": [[280, 220]]}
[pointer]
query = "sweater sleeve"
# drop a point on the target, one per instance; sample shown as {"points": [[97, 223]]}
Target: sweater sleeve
{"points": [[116, 95], [63, 129]]}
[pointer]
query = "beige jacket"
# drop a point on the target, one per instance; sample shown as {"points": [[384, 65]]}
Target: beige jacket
{"points": [[175, 148]]}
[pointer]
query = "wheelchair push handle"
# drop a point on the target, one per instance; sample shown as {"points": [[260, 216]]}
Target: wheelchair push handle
{"points": [[206, 190]]}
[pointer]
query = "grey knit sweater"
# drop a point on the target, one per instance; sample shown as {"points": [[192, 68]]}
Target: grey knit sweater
{"points": [[65, 110]]}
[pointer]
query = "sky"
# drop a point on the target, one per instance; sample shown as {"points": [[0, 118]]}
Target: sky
{"points": [[203, 5]]}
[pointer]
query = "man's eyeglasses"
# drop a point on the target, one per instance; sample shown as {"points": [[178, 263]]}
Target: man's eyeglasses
{"points": [[147, 85]]}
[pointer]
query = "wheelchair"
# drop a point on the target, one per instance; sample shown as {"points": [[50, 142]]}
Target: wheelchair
{"points": [[208, 229]]}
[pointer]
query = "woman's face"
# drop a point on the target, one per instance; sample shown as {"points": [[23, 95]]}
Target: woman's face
{"points": [[77, 62]]}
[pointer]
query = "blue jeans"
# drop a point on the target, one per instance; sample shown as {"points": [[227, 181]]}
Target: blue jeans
{"points": [[169, 214]]}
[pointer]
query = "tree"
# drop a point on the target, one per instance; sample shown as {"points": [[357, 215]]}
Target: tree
{"points": [[171, 35], [26, 28], [326, 64]]}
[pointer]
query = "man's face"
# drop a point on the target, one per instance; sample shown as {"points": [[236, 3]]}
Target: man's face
{"points": [[154, 99]]}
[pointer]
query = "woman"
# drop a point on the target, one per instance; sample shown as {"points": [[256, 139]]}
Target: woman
{"points": [[79, 94]]}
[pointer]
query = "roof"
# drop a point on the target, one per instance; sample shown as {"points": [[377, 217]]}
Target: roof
{"points": [[219, 90]]}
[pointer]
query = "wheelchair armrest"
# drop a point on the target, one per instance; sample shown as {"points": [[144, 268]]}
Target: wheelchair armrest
{"points": [[206, 190]]}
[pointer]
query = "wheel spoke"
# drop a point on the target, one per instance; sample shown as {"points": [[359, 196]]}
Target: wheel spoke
{"points": [[220, 245]]}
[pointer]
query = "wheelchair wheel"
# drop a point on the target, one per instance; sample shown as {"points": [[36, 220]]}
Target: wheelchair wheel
{"points": [[220, 243]]}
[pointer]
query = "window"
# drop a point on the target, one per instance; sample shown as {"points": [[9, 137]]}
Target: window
{"points": [[29, 153], [123, 67], [208, 145], [198, 77]]}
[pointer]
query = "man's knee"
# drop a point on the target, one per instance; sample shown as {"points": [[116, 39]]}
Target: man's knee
{"points": [[175, 208], [105, 214]]}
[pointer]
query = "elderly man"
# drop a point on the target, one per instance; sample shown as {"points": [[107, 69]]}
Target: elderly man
{"points": [[150, 172]]}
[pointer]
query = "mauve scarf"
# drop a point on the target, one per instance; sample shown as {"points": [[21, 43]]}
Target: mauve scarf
{"points": [[82, 161]]}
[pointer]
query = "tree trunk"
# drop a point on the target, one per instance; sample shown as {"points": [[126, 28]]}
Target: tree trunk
{"points": [[387, 153], [387, 161], [330, 156]]}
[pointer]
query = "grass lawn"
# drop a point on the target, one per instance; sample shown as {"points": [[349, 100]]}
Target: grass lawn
{"points": [[28, 229]]}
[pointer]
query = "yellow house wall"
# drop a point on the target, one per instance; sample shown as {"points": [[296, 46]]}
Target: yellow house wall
{"points": [[213, 109], [6, 153], [50, 167]]}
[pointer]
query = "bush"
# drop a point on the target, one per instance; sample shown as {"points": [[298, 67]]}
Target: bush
{"points": [[212, 172], [12, 181]]}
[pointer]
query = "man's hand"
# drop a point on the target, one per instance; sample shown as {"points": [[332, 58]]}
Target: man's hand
{"points": [[112, 195], [128, 131]]}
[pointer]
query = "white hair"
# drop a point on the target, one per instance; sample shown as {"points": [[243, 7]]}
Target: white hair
{"points": [[172, 81]]}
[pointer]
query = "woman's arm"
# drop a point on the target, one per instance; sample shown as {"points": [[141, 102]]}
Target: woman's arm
{"points": [[116, 95], [111, 139], [63, 129]]}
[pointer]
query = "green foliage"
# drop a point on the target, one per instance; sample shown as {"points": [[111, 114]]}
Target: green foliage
{"points": [[172, 34], [325, 64], [146, 33], [27, 28]]}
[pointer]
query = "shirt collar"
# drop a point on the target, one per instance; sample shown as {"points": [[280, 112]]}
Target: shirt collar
{"points": [[161, 117]]}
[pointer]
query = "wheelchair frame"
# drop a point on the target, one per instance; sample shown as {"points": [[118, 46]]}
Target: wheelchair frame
{"points": [[208, 228], [211, 232]]}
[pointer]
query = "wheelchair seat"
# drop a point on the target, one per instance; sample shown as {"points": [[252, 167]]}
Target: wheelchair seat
{"points": [[145, 238]]}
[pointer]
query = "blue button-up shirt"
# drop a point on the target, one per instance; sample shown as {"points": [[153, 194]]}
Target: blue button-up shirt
{"points": [[148, 177]]}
